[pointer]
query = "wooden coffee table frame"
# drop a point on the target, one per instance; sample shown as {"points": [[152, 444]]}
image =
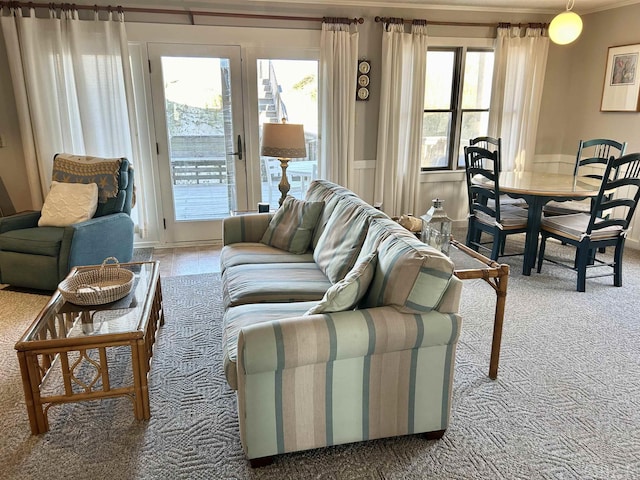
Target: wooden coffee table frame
{"points": [[497, 276], [38, 353]]}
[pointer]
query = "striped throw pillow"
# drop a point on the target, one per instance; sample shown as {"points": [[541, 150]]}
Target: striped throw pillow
{"points": [[292, 225], [409, 275], [347, 293]]}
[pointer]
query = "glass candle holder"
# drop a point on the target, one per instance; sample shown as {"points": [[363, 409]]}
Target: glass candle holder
{"points": [[436, 227]]}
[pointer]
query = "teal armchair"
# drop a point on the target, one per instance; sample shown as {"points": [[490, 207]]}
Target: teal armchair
{"points": [[40, 257]]}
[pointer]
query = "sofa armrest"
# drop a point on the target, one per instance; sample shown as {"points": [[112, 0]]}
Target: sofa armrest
{"points": [[90, 242], [450, 301], [245, 228], [19, 221], [322, 338]]}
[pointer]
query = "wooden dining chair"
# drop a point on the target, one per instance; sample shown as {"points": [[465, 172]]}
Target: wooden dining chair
{"points": [[485, 213], [591, 161], [489, 143], [495, 145], [606, 225]]}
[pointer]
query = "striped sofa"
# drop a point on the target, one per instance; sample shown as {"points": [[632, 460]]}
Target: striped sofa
{"points": [[307, 381]]}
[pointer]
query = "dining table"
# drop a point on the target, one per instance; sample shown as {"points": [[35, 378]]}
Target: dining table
{"points": [[537, 189]]}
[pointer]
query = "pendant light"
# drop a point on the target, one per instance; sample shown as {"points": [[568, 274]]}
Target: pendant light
{"points": [[566, 26]]}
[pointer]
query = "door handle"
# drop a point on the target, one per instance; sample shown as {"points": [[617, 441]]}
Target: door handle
{"points": [[239, 152]]}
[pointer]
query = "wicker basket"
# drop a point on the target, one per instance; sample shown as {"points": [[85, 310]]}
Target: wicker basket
{"points": [[97, 286]]}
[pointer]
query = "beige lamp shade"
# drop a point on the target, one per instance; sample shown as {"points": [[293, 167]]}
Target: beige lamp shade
{"points": [[283, 140]]}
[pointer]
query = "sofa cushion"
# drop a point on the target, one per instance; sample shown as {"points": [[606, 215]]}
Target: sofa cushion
{"points": [[236, 318], [332, 194], [322, 190], [251, 252], [575, 226], [321, 225], [340, 243], [409, 275], [379, 230], [273, 283], [68, 203], [37, 241], [346, 294], [292, 226], [245, 228], [329, 193]]}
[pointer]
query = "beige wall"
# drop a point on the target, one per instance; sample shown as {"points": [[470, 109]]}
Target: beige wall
{"points": [[570, 103], [606, 29], [573, 86]]}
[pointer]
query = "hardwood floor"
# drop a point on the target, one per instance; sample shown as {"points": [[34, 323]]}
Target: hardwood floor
{"points": [[188, 260]]}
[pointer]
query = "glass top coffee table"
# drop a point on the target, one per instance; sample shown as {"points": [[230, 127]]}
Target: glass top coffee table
{"points": [[72, 353]]}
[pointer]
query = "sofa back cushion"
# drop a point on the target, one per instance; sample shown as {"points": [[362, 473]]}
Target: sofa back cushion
{"points": [[322, 190], [332, 194], [329, 193], [379, 230], [340, 242], [409, 275]]}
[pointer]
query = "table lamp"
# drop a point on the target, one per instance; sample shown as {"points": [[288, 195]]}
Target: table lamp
{"points": [[283, 141]]}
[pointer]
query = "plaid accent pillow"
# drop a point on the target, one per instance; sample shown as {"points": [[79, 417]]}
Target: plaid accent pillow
{"points": [[292, 226], [346, 294]]}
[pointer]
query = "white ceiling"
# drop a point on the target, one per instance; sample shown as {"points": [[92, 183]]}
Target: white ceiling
{"points": [[527, 6]]}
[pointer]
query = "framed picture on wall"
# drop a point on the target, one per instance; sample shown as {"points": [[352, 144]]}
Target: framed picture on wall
{"points": [[622, 80]]}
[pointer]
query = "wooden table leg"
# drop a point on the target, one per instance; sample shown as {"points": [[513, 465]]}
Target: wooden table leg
{"points": [[501, 297], [28, 394], [35, 377], [143, 368], [137, 349]]}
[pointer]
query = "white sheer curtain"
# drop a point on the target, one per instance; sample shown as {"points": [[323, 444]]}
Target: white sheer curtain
{"points": [[520, 64], [338, 64], [404, 62], [74, 92]]}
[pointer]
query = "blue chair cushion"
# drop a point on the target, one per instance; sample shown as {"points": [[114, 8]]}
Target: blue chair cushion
{"points": [[36, 241]]}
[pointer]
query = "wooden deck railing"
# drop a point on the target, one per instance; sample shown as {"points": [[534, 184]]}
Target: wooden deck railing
{"points": [[189, 171]]}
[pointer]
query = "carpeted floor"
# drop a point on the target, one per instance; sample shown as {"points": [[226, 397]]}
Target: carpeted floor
{"points": [[566, 403]]}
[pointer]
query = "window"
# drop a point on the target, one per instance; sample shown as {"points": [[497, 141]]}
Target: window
{"points": [[289, 89], [456, 104]]}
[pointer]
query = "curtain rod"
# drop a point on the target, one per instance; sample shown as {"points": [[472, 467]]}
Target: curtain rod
{"points": [[190, 13], [459, 24]]}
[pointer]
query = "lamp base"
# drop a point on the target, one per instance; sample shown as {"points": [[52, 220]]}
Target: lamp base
{"points": [[284, 185]]}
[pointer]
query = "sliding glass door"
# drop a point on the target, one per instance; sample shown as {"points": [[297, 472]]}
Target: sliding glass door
{"points": [[197, 99], [208, 93]]}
